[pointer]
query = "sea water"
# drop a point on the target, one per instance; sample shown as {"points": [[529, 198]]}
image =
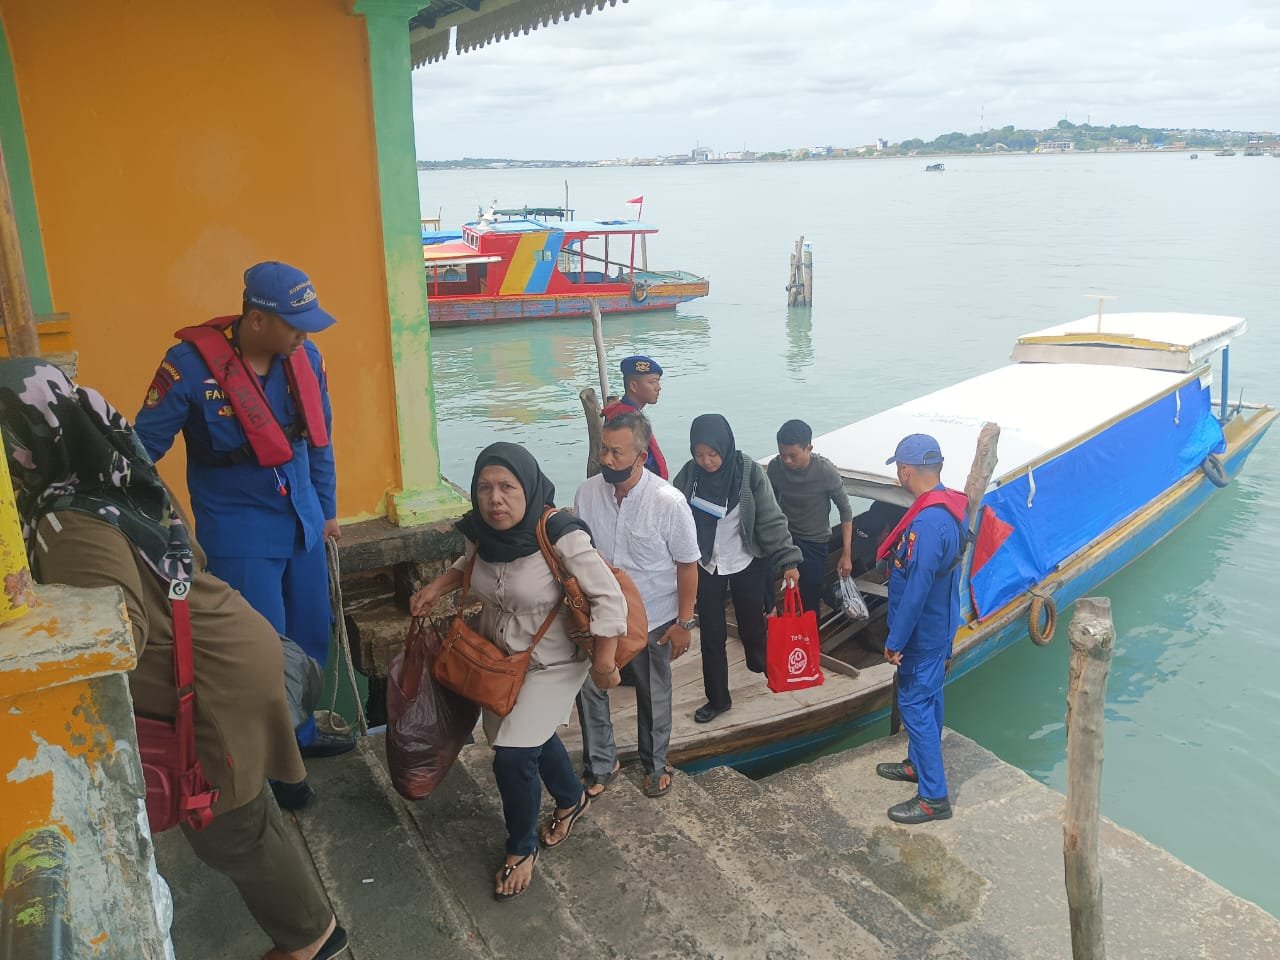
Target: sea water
{"points": [[920, 281]]}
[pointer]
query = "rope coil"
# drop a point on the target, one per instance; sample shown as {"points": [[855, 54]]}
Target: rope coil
{"points": [[330, 721]]}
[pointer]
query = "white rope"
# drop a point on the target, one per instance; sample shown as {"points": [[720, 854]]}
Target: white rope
{"points": [[330, 720]]}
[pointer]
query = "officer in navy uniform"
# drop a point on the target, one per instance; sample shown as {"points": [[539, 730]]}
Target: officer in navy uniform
{"points": [[924, 613], [641, 380], [250, 395]]}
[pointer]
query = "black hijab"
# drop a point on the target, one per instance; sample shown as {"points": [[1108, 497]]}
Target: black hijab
{"points": [[503, 546], [724, 487], [68, 449]]}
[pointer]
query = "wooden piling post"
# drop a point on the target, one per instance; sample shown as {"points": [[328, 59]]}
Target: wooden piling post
{"points": [[975, 486], [15, 295], [807, 279], [595, 433], [1092, 636], [597, 334]]}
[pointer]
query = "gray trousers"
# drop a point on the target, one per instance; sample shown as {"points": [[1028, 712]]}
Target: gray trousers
{"points": [[652, 668]]}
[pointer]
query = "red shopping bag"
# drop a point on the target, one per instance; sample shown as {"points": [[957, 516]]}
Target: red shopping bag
{"points": [[794, 650]]}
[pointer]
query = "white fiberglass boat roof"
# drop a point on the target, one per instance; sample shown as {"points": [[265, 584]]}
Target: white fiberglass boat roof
{"points": [[1158, 341], [1041, 408]]}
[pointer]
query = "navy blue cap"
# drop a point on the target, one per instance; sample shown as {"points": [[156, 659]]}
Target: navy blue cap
{"points": [[288, 292], [917, 450], [640, 366]]}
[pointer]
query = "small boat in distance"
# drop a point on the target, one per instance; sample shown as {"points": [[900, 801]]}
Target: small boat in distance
{"points": [[1195, 156], [1108, 441], [935, 168], [537, 263], [1228, 152]]}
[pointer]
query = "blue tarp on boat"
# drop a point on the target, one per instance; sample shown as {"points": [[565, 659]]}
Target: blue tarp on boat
{"points": [[1037, 521]]}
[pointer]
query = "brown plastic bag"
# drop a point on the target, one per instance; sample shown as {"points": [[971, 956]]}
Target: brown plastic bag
{"points": [[427, 725]]}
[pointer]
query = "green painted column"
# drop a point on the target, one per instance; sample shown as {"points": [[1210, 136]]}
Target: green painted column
{"points": [[13, 136], [425, 496]]}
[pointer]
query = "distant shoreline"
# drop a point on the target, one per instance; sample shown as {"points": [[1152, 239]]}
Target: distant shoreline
{"points": [[498, 165]]}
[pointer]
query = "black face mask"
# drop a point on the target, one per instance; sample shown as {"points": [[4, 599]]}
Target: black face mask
{"points": [[612, 475]]}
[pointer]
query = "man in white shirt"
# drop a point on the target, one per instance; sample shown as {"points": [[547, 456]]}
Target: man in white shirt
{"points": [[643, 525]]}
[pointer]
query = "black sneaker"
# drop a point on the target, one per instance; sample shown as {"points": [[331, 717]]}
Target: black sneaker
{"points": [[920, 810], [897, 771], [328, 745], [293, 796]]}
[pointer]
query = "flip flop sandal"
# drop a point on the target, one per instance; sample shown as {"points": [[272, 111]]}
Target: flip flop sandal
{"points": [[569, 819], [595, 780], [510, 868], [653, 788]]}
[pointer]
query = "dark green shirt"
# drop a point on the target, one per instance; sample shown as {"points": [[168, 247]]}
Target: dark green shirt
{"points": [[806, 497]]}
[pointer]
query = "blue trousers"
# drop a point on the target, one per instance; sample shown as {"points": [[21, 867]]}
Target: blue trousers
{"points": [[812, 569], [518, 770], [920, 705], [293, 594]]}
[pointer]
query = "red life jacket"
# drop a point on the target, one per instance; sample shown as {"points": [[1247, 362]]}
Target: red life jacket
{"points": [[270, 445], [659, 461], [956, 504]]}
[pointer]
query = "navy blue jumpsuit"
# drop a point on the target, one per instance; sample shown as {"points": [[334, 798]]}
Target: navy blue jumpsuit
{"points": [[924, 614], [262, 527]]}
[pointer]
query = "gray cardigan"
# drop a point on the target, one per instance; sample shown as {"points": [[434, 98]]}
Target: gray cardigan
{"points": [[764, 526]]}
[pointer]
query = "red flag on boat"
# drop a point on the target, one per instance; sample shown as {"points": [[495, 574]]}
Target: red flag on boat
{"points": [[639, 199]]}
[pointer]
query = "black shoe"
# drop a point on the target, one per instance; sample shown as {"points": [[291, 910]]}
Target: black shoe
{"points": [[328, 745], [897, 771], [293, 796], [336, 945], [706, 713], [920, 810]]}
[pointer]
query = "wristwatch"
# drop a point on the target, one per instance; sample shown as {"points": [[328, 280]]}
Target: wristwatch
{"points": [[687, 624]]}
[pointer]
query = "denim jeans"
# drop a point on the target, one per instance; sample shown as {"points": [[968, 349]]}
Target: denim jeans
{"points": [[518, 771]]}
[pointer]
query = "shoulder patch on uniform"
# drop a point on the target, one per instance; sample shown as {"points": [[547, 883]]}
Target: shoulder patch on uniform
{"points": [[166, 376]]}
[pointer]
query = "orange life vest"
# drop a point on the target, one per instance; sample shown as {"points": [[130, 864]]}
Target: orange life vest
{"points": [[270, 445]]}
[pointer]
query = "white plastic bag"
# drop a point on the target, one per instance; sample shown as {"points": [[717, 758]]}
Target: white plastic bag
{"points": [[855, 608]]}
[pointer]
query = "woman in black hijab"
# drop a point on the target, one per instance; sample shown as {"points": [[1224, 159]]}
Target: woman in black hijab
{"points": [[743, 536], [511, 579]]}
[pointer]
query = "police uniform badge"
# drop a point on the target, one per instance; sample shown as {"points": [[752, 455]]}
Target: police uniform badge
{"points": [[642, 366], [166, 376]]}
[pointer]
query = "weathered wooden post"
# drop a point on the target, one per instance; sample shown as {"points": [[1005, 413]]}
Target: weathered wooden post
{"points": [[975, 487], [796, 281], [591, 407], [15, 295], [807, 279], [597, 334], [1092, 636]]}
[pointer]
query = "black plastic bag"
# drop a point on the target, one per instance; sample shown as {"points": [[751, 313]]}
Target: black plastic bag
{"points": [[427, 725]]}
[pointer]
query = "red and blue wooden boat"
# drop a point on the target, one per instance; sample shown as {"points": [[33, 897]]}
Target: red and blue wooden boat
{"points": [[526, 267]]}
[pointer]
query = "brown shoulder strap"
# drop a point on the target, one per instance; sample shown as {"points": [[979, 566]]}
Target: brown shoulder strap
{"points": [[466, 571], [548, 551]]}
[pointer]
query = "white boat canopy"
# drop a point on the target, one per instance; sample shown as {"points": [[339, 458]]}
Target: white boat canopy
{"points": [[1157, 341], [1042, 409], [1071, 381]]}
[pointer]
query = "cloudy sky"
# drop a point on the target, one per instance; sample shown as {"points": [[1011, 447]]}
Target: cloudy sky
{"points": [[658, 76]]}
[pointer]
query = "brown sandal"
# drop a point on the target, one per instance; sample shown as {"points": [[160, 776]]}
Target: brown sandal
{"points": [[569, 819]]}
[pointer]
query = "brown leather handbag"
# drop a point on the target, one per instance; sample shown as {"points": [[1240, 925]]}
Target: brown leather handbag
{"points": [[579, 607], [473, 666]]}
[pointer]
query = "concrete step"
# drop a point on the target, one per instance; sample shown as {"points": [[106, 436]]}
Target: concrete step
{"points": [[842, 801], [386, 887], [791, 852], [720, 812], [461, 824]]}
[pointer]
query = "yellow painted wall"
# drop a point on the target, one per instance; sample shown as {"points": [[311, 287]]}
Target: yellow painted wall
{"points": [[174, 144]]}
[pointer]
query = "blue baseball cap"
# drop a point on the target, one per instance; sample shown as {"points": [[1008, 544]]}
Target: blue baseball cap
{"points": [[640, 366], [288, 292], [917, 450]]}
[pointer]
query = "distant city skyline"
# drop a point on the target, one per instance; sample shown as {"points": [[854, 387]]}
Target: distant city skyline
{"points": [[659, 76]]}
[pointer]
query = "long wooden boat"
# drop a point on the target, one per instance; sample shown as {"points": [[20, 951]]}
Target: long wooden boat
{"points": [[1108, 441], [524, 265]]}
